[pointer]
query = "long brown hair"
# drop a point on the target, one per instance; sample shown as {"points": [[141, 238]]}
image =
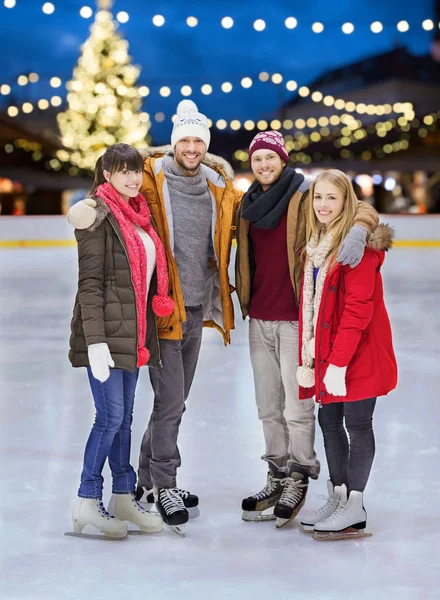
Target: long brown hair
{"points": [[343, 222], [115, 159]]}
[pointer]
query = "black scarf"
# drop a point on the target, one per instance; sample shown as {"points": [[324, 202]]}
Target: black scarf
{"points": [[265, 209]]}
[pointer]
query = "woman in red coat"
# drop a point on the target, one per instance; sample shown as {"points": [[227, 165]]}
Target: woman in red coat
{"points": [[346, 351]]}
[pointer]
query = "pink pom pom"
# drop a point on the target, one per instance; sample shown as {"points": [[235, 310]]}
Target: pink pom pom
{"points": [[162, 306], [143, 356]]}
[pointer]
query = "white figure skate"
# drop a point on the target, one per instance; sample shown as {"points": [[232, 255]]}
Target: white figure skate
{"points": [[90, 511], [308, 523], [125, 507], [348, 521]]}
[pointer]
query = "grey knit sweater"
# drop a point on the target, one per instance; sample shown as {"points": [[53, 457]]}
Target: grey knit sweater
{"points": [[191, 206]]}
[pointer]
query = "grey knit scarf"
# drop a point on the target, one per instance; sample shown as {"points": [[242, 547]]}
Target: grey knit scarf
{"points": [[192, 185]]}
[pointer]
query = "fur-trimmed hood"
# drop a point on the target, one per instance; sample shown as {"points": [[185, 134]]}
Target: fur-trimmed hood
{"points": [[381, 238], [210, 160]]}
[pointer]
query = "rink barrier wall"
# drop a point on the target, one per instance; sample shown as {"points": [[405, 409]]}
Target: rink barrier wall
{"points": [[412, 231]]}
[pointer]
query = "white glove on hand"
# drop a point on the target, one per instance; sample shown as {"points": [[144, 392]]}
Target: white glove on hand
{"points": [[100, 360], [353, 246], [82, 215], [334, 380]]}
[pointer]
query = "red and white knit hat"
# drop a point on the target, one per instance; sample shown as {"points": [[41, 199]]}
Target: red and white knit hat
{"points": [[269, 140]]}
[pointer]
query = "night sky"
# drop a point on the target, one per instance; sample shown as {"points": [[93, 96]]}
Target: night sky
{"points": [[176, 54]]}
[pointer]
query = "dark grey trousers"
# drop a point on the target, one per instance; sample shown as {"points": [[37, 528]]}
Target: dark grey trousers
{"points": [[159, 457], [349, 463]]}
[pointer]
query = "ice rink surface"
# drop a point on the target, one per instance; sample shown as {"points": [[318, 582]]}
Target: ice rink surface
{"points": [[47, 412]]}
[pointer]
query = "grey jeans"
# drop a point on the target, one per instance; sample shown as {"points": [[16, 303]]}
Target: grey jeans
{"points": [[159, 456], [288, 423]]}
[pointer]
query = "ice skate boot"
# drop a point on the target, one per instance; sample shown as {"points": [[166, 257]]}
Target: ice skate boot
{"points": [[91, 511], [191, 501], [292, 498], [254, 506], [348, 521], [171, 508], [125, 507], [307, 525]]}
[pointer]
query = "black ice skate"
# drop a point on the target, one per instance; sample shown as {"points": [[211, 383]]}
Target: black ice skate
{"points": [[171, 508], [254, 506], [190, 501], [292, 498]]}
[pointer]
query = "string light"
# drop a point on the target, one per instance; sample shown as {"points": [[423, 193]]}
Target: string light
{"points": [[186, 90], [123, 16], [86, 12], [277, 78], [259, 25], [206, 89], [48, 8], [34, 77], [246, 82], [317, 27], [158, 20], [55, 82], [192, 22], [5, 89], [376, 27], [428, 25], [348, 28], [226, 87], [9, 3], [227, 22], [291, 23], [403, 26], [22, 80]]}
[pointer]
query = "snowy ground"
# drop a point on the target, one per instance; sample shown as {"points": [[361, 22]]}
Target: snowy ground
{"points": [[46, 414]]}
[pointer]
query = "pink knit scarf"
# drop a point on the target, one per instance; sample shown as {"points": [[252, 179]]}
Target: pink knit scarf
{"points": [[137, 212]]}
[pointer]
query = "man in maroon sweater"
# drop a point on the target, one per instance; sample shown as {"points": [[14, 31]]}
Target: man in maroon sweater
{"points": [[271, 236]]}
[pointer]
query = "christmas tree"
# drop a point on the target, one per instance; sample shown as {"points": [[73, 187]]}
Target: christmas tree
{"points": [[103, 101]]}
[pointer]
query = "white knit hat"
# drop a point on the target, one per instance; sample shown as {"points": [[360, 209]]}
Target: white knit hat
{"points": [[190, 123]]}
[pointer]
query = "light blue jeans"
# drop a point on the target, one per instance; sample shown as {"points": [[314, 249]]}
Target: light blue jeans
{"points": [[111, 435]]}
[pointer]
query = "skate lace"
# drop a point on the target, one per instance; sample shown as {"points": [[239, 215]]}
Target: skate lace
{"points": [[138, 505], [292, 492], [268, 489], [182, 493], [103, 511], [171, 501], [323, 510], [337, 513]]}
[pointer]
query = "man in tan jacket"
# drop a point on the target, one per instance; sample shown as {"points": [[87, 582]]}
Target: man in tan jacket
{"points": [[271, 234]]}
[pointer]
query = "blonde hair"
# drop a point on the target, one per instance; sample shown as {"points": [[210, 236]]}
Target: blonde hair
{"points": [[343, 222]]}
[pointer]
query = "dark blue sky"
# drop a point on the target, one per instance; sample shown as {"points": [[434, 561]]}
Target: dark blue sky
{"points": [[175, 54]]}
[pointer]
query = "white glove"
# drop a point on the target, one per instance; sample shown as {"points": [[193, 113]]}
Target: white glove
{"points": [[100, 360], [82, 215], [334, 380]]}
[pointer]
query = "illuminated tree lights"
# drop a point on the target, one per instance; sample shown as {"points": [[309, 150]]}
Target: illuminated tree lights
{"points": [[103, 100]]}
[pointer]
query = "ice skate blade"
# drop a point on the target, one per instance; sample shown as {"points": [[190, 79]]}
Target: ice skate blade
{"points": [[308, 529], [138, 532], [179, 529], [347, 534], [251, 516], [95, 536]]}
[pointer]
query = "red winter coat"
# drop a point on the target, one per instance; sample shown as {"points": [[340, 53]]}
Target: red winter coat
{"points": [[353, 328]]}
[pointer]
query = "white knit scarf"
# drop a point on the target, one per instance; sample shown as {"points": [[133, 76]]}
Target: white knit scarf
{"points": [[317, 256]]}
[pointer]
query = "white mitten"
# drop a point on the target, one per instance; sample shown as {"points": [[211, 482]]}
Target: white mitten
{"points": [[334, 380], [82, 215], [100, 360]]}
